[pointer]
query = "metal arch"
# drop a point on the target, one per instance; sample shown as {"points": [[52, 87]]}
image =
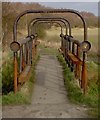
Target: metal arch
{"points": [[48, 11], [49, 22], [54, 18], [50, 19]]}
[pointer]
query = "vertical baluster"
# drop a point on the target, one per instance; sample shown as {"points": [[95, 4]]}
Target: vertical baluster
{"points": [[66, 50], [15, 72], [73, 50], [21, 59], [77, 74], [64, 47], [33, 49], [69, 50], [28, 53], [25, 53], [84, 75], [23, 62], [31, 52]]}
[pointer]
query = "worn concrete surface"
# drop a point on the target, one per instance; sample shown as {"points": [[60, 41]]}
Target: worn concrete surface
{"points": [[49, 98]]}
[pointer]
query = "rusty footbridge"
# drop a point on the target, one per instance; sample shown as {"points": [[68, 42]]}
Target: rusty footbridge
{"points": [[74, 51]]}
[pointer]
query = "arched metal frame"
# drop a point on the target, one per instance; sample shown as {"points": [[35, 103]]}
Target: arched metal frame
{"points": [[48, 11], [55, 19], [40, 19], [48, 22]]}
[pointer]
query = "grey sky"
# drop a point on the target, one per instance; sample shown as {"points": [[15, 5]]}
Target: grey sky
{"points": [[80, 6]]}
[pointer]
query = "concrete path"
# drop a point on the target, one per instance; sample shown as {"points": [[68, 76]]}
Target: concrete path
{"points": [[49, 98]]}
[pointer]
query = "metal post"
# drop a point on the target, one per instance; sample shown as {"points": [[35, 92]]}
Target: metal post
{"points": [[84, 75], [15, 72], [21, 59]]}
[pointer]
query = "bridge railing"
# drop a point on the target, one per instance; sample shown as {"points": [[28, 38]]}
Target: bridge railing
{"points": [[24, 52], [74, 53]]}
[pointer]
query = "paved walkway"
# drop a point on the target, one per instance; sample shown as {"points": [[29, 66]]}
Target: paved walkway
{"points": [[49, 98]]}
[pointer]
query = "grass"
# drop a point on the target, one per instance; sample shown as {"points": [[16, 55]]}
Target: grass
{"points": [[47, 50], [24, 95], [75, 94], [52, 35]]}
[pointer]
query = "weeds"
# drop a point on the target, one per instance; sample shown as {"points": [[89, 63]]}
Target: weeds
{"points": [[7, 77], [75, 93], [24, 95]]}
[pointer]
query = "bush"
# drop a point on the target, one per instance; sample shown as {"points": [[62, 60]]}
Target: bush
{"points": [[41, 31], [7, 77]]}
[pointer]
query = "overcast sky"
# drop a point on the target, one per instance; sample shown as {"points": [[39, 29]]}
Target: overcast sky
{"points": [[80, 6]]}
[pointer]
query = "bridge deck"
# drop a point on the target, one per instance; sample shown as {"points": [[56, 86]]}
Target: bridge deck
{"points": [[49, 98]]}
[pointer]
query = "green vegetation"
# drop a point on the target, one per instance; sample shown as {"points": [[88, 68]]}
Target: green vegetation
{"points": [[7, 77], [47, 50], [24, 95], [41, 31], [75, 93]]}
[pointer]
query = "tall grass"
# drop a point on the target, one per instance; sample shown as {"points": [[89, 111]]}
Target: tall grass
{"points": [[75, 93], [7, 77], [24, 95]]}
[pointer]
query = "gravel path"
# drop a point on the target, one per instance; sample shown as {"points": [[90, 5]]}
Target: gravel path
{"points": [[49, 98]]}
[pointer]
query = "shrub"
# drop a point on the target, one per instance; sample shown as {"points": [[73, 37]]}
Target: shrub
{"points": [[41, 31]]}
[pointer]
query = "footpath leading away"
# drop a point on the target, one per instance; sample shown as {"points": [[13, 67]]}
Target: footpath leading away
{"points": [[49, 98]]}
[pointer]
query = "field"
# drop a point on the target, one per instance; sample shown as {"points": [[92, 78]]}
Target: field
{"points": [[77, 33]]}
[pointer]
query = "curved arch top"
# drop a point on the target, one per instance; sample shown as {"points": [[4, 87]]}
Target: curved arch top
{"points": [[48, 11], [40, 22], [53, 19]]}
